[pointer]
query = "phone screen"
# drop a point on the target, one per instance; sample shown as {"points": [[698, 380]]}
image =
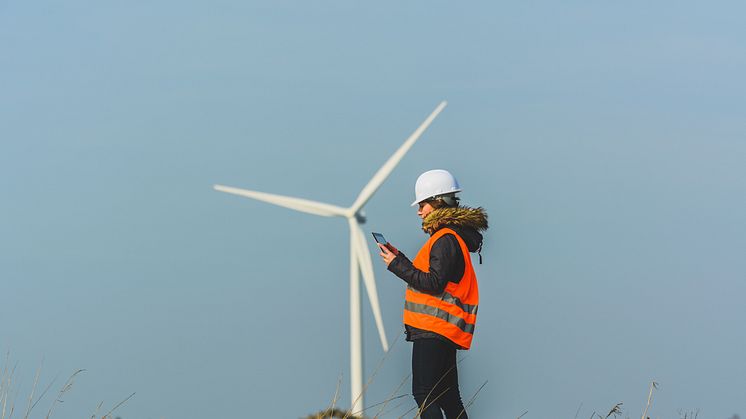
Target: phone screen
{"points": [[379, 238]]}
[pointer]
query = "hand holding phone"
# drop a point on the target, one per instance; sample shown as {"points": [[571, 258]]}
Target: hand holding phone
{"points": [[382, 240]]}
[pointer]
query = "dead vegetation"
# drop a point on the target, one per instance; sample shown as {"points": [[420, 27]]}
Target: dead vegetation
{"points": [[9, 394]]}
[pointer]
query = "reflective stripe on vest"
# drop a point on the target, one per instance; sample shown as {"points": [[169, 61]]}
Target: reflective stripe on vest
{"points": [[441, 314], [453, 313]]}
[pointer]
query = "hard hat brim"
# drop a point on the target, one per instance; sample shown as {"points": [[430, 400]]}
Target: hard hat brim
{"points": [[415, 203]]}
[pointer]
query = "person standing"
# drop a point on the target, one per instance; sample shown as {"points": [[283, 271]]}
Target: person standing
{"points": [[442, 296]]}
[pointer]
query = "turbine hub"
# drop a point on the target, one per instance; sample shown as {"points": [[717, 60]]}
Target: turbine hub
{"points": [[360, 217]]}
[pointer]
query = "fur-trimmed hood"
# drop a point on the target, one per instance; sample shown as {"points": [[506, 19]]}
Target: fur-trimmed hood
{"points": [[468, 223]]}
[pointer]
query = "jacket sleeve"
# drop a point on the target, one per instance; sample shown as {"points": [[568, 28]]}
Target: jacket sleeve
{"points": [[444, 264]]}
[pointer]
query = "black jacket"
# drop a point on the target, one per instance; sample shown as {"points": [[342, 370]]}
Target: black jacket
{"points": [[446, 258]]}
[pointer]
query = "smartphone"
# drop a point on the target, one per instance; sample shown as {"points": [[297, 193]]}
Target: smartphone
{"points": [[380, 239]]}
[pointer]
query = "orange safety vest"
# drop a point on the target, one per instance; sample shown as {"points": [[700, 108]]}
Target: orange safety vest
{"points": [[453, 313]]}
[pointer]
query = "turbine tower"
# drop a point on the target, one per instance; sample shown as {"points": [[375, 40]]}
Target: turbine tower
{"points": [[360, 261]]}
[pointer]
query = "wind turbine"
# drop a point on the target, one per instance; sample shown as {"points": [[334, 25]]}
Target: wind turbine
{"points": [[360, 261]]}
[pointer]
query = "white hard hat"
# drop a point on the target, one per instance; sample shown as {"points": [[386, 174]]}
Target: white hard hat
{"points": [[434, 183]]}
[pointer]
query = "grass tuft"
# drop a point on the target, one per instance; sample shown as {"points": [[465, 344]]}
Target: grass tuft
{"points": [[9, 392]]}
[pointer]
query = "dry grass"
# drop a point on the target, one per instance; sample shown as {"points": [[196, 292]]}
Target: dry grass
{"points": [[615, 411], [693, 414], [9, 394], [653, 385], [380, 407]]}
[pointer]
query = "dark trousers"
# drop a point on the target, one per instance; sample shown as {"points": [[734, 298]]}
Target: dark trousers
{"points": [[435, 379]]}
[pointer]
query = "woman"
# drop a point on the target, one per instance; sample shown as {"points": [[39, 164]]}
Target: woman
{"points": [[442, 295]]}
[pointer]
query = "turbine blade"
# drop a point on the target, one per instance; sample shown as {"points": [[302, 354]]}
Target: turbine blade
{"points": [[385, 170], [366, 267], [298, 204]]}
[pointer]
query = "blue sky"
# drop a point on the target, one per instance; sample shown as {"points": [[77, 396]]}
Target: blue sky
{"points": [[605, 140]]}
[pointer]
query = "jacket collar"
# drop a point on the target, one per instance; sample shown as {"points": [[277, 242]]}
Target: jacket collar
{"points": [[464, 217]]}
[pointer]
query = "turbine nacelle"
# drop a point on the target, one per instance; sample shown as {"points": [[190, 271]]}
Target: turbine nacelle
{"points": [[360, 217]]}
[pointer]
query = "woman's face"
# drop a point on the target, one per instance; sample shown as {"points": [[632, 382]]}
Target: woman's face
{"points": [[424, 209]]}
